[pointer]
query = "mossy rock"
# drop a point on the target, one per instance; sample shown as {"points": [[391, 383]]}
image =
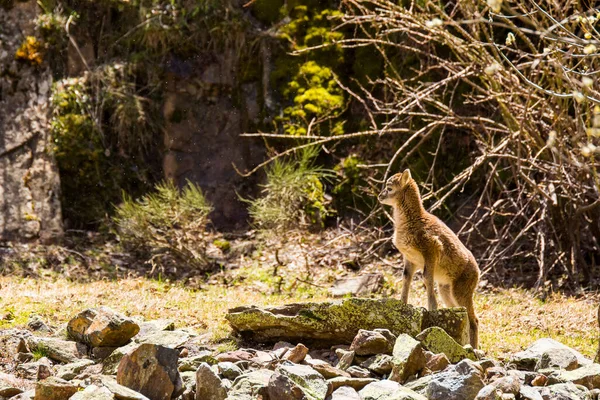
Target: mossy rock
{"points": [[336, 321], [436, 340]]}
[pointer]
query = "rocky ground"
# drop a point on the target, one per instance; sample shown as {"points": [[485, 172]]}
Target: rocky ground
{"points": [[340, 350]]}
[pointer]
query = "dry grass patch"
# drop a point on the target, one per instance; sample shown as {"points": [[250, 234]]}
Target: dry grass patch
{"points": [[510, 319]]}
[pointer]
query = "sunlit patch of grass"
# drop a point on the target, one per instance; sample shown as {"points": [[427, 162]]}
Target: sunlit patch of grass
{"points": [[510, 320]]}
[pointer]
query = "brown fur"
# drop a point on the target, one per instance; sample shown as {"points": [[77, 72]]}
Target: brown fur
{"points": [[427, 244]]}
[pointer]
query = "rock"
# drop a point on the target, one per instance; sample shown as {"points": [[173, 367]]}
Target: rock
{"points": [[357, 286], [151, 370], [296, 354], [235, 356], [171, 339], [565, 391], [358, 372], [13, 341], [208, 384], [36, 324], [436, 362], [298, 381], [380, 364], [263, 359], [37, 370], [192, 363], [111, 363], [102, 327], [436, 340], [463, 382], [70, 371], [28, 395], [54, 389], [588, 376], [529, 393], [453, 321], [229, 370], [529, 358], [557, 359], [540, 380], [344, 393], [64, 351], [153, 326], [505, 385], [93, 392], [388, 390], [345, 359], [326, 369], [408, 358], [336, 321], [101, 353], [368, 343], [121, 392], [250, 385], [355, 383], [189, 385], [23, 357], [10, 386], [420, 385]]}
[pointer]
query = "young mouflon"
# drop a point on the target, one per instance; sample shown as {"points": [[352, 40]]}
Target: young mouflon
{"points": [[427, 244]]}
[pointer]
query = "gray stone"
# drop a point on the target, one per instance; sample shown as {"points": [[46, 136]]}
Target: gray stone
{"points": [[28, 395], [171, 339], [121, 392], [463, 382], [151, 370], [345, 393], [529, 358], [529, 393], [189, 385], [13, 342], [300, 379], [388, 390], [102, 327], [453, 321], [70, 371], [436, 340], [588, 376], [420, 385], [368, 343], [250, 385], [345, 359], [36, 370], [380, 364], [565, 391], [357, 286], [559, 358], [229, 370], [93, 392], [10, 385], [153, 326], [208, 384], [54, 389], [358, 372], [436, 362], [326, 369], [35, 323], [63, 351], [408, 358], [506, 385], [192, 363]]}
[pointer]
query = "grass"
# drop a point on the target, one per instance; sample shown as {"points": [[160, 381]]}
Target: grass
{"points": [[510, 319]]}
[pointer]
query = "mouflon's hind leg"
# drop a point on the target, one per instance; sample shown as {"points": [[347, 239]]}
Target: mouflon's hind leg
{"points": [[464, 298], [446, 295], [407, 277], [428, 272]]}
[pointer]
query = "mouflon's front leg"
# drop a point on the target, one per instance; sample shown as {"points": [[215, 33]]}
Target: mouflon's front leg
{"points": [[428, 273], [409, 271]]}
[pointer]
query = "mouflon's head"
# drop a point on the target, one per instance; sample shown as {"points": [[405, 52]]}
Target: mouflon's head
{"points": [[394, 185]]}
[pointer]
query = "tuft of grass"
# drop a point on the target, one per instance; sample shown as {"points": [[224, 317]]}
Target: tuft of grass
{"points": [[293, 195], [40, 351]]}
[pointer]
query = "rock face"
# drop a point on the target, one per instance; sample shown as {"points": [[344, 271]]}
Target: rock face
{"points": [[151, 370], [29, 182], [102, 327], [339, 321]]}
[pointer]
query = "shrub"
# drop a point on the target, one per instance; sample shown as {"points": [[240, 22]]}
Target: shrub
{"points": [[168, 224], [293, 195]]}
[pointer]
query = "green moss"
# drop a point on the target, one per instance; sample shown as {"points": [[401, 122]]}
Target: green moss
{"points": [[222, 244], [436, 340]]}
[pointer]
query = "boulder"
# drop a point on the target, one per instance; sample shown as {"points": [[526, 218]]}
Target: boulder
{"points": [[93, 392], [192, 363], [436, 340], [557, 359], [37, 324], [529, 393], [530, 357], [462, 382], [54, 389], [333, 322], [358, 372], [64, 351], [229, 370], [388, 390], [453, 320], [380, 364], [357, 286], [296, 354], [208, 384], [507, 385], [407, 358], [102, 327], [70, 371], [345, 393], [345, 359], [151, 370], [368, 343], [10, 386], [171, 339], [13, 341], [189, 385], [565, 391], [588, 376], [436, 362], [355, 383], [37, 370], [298, 381], [250, 385], [121, 392], [153, 326]]}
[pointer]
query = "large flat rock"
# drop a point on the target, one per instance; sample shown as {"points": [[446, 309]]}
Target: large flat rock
{"points": [[339, 321]]}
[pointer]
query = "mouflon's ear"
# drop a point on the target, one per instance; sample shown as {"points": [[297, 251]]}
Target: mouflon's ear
{"points": [[406, 176]]}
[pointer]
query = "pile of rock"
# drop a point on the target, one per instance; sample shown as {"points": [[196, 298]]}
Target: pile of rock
{"points": [[101, 354]]}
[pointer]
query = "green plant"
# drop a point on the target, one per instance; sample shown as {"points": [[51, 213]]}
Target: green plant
{"points": [[168, 224], [293, 194], [40, 351]]}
